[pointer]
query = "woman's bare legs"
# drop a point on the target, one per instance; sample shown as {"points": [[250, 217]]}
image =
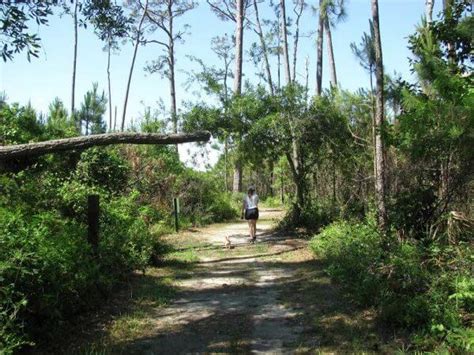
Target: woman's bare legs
{"points": [[252, 229]]}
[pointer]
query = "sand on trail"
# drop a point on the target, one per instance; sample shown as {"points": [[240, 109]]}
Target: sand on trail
{"points": [[231, 301]]}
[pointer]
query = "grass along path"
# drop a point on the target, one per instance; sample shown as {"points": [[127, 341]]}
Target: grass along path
{"points": [[271, 297]]}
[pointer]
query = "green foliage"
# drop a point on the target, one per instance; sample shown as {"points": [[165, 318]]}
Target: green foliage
{"points": [[427, 289], [19, 124], [201, 202]]}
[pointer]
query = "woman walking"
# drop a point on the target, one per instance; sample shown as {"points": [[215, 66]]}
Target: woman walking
{"points": [[250, 211]]}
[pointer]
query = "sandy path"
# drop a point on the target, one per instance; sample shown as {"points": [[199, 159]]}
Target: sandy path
{"points": [[230, 303]]}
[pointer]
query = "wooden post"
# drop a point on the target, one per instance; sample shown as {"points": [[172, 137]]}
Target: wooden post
{"points": [[176, 214], [93, 220]]}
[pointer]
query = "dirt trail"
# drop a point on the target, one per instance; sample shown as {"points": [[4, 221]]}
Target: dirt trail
{"points": [[269, 297], [232, 301]]}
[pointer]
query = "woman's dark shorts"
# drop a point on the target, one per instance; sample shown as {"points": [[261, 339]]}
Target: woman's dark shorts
{"points": [[251, 214]]}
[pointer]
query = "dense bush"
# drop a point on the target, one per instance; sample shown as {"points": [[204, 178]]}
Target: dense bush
{"points": [[202, 203], [50, 272], [427, 288]]}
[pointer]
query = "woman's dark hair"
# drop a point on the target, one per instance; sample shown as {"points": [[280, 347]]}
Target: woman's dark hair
{"points": [[251, 189]]}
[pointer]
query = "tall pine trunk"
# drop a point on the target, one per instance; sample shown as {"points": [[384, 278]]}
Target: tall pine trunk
{"points": [[319, 48], [380, 178], [74, 65], [429, 4], [332, 61], [239, 41], [174, 112], [285, 42], [137, 43], [298, 12], [264, 48], [109, 49]]}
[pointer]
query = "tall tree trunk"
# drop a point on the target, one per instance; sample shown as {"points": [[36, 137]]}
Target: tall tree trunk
{"points": [[239, 41], [306, 82], [380, 185], [272, 177], [298, 11], [137, 43], [285, 42], [429, 4], [448, 9], [74, 65], [115, 118], [319, 54], [264, 48], [237, 184], [372, 101], [279, 58], [109, 49], [174, 112], [332, 61], [226, 150]]}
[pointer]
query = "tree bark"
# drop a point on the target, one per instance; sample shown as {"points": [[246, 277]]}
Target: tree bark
{"points": [[174, 112], [137, 42], [237, 185], [74, 64], [332, 61], [285, 43], [447, 9], [109, 85], [239, 42], [264, 48], [298, 11], [319, 54], [429, 10], [83, 142], [379, 123]]}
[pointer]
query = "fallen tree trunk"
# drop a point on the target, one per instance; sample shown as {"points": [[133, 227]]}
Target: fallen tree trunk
{"points": [[83, 142]]}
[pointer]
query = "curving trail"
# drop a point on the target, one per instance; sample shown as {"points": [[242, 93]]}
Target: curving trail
{"points": [[269, 297], [231, 303]]}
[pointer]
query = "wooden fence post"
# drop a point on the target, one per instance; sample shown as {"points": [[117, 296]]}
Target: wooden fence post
{"points": [[93, 211], [176, 214]]}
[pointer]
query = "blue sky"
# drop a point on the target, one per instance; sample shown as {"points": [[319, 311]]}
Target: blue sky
{"points": [[43, 79]]}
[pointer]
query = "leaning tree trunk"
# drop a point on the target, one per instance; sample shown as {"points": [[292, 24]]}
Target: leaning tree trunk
{"points": [[264, 48], [83, 142], [319, 54], [74, 65], [285, 42], [239, 40], [137, 42], [332, 61], [380, 184]]}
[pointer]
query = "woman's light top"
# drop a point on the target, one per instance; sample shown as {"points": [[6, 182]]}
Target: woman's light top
{"points": [[251, 201]]}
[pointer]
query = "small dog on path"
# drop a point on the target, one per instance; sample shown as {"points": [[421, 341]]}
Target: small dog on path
{"points": [[227, 243]]}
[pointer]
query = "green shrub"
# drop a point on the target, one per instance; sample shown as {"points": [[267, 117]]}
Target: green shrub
{"points": [[312, 217], [425, 288], [49, 270]]}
